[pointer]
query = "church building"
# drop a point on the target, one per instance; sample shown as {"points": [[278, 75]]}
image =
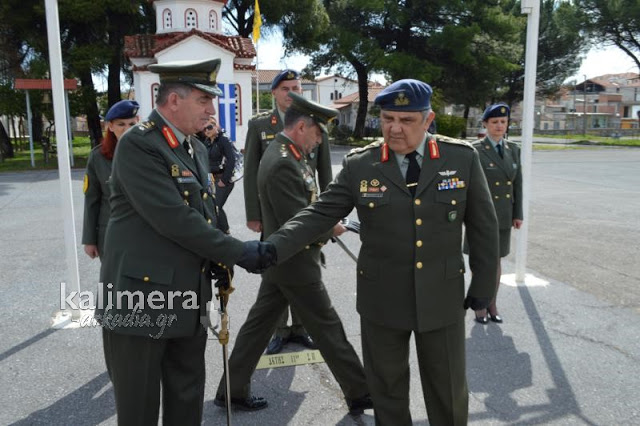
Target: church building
{"points": [[192, 30]]}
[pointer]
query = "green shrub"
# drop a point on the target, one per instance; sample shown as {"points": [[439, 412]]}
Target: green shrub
{"points": [[450, 125]]}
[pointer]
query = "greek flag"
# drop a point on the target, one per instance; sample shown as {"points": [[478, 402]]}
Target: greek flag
{"points": [[227, 109]]}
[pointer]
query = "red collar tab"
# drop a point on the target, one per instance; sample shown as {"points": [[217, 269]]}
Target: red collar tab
{"points": [[295, 152], [384, 153], [434, 151], [170, 137], [274, 120]]}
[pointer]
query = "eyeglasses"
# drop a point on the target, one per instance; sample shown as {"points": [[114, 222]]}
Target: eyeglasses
{"points": [[209, 127]]}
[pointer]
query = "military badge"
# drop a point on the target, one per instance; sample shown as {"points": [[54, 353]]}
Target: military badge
{"points": [[434, 151], [452, 215], [274, 120], [447, 173], [175, 170], [384, 153], [451, 183], [363, 186], [186, 173], [170, 137], [375, 182], [401, 100]]}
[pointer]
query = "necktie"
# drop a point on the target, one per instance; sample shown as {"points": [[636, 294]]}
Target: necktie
{"points": [[499, 148], [187, 147], [413, 173]]}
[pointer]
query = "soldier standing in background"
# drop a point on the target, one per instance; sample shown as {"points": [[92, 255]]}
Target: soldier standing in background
{"points": [[121, 117], [501, 164]]}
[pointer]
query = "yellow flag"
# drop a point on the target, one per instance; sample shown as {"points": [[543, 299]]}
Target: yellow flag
{"points": [[257, 23]]}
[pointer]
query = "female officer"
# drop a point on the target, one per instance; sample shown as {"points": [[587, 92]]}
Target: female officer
{"points": [[120, 117], [501, 164]]}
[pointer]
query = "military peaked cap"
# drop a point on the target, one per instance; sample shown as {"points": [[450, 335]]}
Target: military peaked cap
{"points": [[405, 95], [198, 74], [320, 114]]}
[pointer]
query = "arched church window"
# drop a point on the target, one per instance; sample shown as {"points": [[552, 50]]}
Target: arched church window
{"points": [[213, 20], [166, 18], [191, 18]]}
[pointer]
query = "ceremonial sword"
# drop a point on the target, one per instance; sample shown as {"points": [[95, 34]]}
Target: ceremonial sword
{"points": [[353, 226]]}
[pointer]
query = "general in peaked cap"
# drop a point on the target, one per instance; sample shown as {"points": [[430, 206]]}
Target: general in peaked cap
{"points": [[405, 95], [320, 114], [284, 75], [122, 109], [496, 110], [198, 74]]}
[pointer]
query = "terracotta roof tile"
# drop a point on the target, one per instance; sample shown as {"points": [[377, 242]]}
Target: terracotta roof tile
{"points": [[147, 45]]}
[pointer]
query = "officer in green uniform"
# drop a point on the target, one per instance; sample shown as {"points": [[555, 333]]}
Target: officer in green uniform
{"points": [[501, 164], [120, 118], [160, 246], [287, 185], [263, 128], [413, 193]]}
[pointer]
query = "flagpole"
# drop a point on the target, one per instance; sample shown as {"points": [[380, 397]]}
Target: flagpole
{"points": [[255, 35]]}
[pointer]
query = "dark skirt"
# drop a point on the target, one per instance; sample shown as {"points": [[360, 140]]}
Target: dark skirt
{"points": [[504, 240]]}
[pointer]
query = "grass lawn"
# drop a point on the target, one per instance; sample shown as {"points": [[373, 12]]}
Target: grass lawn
{"points": [[602, 140], [22, 159]]}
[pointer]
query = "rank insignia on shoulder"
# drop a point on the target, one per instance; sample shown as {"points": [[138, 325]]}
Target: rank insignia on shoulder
{"points": [[85, 184], [146, 125], [175, 170]]}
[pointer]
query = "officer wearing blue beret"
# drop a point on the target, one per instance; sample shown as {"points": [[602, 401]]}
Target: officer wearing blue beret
{"points": [[500, 161], [262, 130], [413, 191], [161, 245], [120, 117]]}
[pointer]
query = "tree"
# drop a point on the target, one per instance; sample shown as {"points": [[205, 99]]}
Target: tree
{"points": [[561, 48], [613, 22]]}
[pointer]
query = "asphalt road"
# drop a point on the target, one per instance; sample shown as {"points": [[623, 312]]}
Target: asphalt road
{"points": [[568, 352]]}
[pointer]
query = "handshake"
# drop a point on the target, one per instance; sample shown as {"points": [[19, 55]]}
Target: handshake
{"points": [[257, 256]]}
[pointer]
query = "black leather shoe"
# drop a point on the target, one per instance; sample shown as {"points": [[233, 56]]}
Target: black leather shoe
{"points": [[482, 320], [303, 339], [275, 345], [495, 318], [252, 403], [357, 406]]}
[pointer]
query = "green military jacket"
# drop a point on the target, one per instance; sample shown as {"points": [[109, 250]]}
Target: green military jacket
{"points": [[96, 199], [263, 128], [286, 185], [504, 176], [161, 235], [410, 269]]}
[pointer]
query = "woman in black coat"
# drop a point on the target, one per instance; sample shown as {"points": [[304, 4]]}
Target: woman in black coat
{"points": [[222, 161]]}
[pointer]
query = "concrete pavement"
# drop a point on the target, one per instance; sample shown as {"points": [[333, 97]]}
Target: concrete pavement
{"points": [[568, 352]]}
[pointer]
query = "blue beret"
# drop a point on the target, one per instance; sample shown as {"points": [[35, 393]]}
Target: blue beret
{"points": [[496, 110], [405, 95], [283, 76], [122, 109]]}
